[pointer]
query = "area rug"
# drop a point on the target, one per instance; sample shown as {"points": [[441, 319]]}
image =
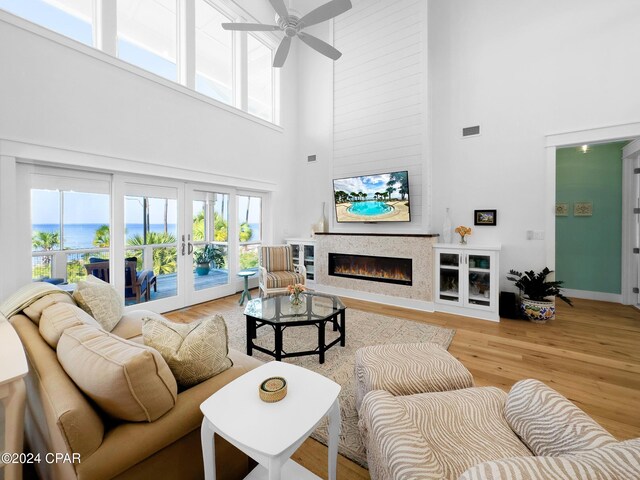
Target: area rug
{"points": [[363, 328]]}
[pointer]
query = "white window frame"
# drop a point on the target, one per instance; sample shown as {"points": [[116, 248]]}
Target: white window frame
{"points": [[105, 49]]}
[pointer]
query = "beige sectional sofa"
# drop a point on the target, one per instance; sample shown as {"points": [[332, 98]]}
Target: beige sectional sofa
{"points": [[61, 419]]}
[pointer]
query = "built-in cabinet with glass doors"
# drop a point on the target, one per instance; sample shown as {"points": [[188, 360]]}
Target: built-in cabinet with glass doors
{"points": [[303, 251], [466, 280]]}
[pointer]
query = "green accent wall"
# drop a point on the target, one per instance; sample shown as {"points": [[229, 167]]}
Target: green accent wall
{"points": [[588, 249]]}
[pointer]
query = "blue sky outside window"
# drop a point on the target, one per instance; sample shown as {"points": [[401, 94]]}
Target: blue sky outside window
{"points": [[77, 27], [145, 59]]}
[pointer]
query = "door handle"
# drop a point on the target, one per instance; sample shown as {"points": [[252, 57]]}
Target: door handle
{"points": [[182, 247], [190, 249]]}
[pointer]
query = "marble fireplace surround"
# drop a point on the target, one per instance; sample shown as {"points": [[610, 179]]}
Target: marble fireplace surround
{"points": [[417, 247]]}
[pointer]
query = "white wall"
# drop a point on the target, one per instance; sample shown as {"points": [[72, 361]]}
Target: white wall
{"points": [[522, 70], [317, 122]]}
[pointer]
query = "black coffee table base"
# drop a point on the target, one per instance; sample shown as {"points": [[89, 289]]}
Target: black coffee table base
{"points": [[337, 319]]}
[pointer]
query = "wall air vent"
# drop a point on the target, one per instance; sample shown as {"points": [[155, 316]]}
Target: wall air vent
{"points": [[471, 131], [311, 158]]}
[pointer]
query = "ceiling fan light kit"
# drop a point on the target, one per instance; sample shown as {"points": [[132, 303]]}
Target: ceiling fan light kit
{"points": [[291, 24]]}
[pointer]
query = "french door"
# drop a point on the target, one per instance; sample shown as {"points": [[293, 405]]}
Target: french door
{"points": [[208, 255], [185, 241]]}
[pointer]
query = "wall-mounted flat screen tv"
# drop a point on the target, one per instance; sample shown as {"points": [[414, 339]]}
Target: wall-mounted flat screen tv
{"points": [[373, 198]]}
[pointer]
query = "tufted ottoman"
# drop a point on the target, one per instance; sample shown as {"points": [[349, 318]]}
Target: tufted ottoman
{"points": [[408, 368]]}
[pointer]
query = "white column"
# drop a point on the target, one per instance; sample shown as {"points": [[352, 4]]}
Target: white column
{"points": [[187, 43], [8, 224], [105, 21]]}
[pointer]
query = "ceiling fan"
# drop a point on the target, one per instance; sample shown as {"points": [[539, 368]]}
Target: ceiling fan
{"points": [[292, 24]]}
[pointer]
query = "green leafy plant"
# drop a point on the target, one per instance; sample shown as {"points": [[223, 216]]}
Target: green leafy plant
{"points": [[535, 285], [210, 253]]}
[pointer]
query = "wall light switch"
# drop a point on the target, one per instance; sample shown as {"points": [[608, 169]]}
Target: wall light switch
{"points": [[529, 234]]}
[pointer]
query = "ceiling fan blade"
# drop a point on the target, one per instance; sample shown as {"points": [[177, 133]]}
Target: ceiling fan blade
{"points": [[250, 27], [320, 46], [325, 12], [280, 8], [282, 52]]}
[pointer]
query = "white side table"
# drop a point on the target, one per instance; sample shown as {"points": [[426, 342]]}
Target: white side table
{"points": [[13, 366], [270, 432]]}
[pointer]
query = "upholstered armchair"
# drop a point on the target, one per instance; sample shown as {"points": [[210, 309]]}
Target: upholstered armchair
{"points": [[277, 270], [483, 433]]}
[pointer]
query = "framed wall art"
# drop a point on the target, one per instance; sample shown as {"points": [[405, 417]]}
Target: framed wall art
{"points": [[485, 217], [582, 209]]}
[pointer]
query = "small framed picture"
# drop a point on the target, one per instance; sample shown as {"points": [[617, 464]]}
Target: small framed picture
{"points": [[485, 217], [562, 209], [582, 209]]}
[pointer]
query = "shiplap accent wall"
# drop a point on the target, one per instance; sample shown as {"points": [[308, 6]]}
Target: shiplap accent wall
{"points": [[379, 119]]}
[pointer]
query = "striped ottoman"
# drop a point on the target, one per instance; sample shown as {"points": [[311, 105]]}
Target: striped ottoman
{"points": [[408, 368]]}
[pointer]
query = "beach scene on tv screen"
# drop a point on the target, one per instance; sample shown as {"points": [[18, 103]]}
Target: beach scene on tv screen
{"points": [[373, 198]]}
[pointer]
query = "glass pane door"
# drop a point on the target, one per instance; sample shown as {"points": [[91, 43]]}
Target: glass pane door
{"points": [[151, 250], [449, 266], [70, 226], [479, 284], [210, 229]]}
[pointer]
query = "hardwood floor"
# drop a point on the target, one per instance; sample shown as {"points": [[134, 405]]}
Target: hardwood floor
{"points": [[589, 353]]}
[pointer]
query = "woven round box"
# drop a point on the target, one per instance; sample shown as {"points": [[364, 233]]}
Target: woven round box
{"points": [[273, 389]]}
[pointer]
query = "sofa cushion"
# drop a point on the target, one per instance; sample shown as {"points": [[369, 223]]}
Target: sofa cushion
{"points": [[130, 325], [408, 368], [194, 351], [282, 279], [100, 300], [548, 423], [441, 433], [34, 311], [127, 380], [276, 258], [58, 317], [613, 462]]}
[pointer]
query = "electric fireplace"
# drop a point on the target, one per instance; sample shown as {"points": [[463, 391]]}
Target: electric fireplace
{"points": [[368, 267]]}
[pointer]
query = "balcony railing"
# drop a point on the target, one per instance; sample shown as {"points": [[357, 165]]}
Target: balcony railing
{"points": [[69, 264]]}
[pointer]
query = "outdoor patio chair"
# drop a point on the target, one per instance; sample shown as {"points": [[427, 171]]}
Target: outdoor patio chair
{"points": [[137, 283]]}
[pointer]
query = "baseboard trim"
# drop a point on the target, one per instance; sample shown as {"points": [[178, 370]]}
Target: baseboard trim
{"points": [[587, 295], [412, 304]]}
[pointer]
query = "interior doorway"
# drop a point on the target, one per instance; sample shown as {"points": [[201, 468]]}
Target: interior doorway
{"points": [[589, 220], [630, 239]]}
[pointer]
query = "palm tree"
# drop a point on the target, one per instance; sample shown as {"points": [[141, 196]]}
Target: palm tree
{"points": [[101, 237], [164, 259], [46, 241], [389, 191], [245, 232], [402, 179]]}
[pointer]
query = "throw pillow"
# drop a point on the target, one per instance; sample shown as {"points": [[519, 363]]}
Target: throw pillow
{"points": [[194, 351], [100, 300], [34, 311], [56, 318], [127, 380]]}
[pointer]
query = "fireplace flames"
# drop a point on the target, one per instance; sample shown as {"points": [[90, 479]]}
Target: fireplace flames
{"points": [[367, 267], [365, 271]]}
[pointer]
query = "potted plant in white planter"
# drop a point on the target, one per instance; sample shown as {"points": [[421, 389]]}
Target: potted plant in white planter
{"points": [[537, 295]]}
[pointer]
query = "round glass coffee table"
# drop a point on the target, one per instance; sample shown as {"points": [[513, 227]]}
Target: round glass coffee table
{"points": [[277, 312]]}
